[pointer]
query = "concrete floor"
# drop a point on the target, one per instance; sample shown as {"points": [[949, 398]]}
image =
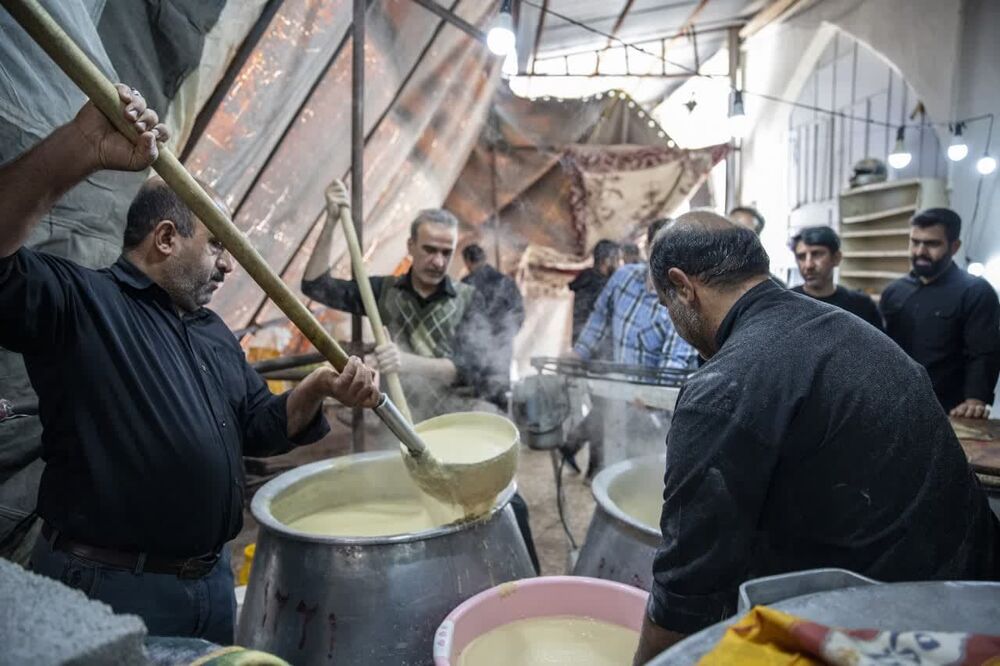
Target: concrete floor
{"points": [[535, 478]]}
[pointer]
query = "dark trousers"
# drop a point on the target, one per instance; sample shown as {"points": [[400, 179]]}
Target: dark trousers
{"points": [[170, 606]]}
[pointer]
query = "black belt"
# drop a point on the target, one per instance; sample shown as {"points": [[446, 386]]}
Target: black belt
{"points": [[187, 568]]}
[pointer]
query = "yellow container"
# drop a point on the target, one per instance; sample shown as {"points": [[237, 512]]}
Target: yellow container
{"points": [[243, 575]]}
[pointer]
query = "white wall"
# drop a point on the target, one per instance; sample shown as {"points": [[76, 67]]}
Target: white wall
{"points": [[947, 51]]}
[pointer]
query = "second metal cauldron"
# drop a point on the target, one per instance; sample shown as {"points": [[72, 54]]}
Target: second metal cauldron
{"points": [[619, 545], [373, 600]]}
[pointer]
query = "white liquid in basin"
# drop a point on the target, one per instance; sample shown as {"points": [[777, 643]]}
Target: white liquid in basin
{"points": [[642, 504], [370, 518], [564, 640]]}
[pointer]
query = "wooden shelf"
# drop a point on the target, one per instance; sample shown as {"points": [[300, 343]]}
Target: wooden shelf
{"points": [[878, 187], [877, 275], [876, 254], [881, 215], [876, 233]]}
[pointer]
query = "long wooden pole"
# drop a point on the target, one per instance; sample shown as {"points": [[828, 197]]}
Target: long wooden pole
{"points": [[37, 22], [371, 307]]}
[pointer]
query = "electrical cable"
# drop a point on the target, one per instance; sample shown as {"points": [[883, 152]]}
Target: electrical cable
{"points": [[560, 501]]}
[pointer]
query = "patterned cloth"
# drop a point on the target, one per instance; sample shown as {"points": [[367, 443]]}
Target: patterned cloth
{"points": [[767, 637], [640, 328]]}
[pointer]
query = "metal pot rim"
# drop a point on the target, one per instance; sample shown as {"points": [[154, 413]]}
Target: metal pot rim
{"points": [[601, 482], [260, 506]]}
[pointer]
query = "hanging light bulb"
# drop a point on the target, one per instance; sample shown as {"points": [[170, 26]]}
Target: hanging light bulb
{"points": [[986, 165], [900, 157], [976, 268], [958, 150], [738, 121], [500, 39]]}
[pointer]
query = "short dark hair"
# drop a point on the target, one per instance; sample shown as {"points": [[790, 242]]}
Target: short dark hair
{"points": [[752, 212], [154, 203], [654, 228], [823, 235], [630, 249], [946, 217], [604, 250], [722, 255], [473, 253], [432, 216]]}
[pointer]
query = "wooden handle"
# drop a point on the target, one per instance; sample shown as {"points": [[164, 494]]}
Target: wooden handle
{"points": [[74, 62], [371, 307]]}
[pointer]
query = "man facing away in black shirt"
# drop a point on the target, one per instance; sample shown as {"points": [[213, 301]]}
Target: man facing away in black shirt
{"points": [[504, 310], [808, 439], [146, 399], [817, 253], [947, 320], [589, 282]]}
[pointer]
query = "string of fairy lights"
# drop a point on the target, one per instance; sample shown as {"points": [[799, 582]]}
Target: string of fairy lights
{"points": [[502, 41]]}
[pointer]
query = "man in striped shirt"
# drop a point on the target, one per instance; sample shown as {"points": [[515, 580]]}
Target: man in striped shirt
{"points": [[629, 311]]}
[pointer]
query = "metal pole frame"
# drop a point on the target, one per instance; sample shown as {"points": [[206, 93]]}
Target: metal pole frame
{"points": [[357, 180]]}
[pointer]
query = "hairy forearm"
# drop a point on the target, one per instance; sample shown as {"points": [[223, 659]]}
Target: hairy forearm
{"points": [[321, 260], [653, 640], [441, 369], [304, 402], [31, 184]]}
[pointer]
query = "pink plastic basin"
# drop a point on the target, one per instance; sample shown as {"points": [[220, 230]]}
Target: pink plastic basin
{"points": [[602, 600]]}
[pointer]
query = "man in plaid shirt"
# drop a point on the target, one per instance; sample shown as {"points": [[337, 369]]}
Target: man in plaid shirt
{"points": [[641, 331]]}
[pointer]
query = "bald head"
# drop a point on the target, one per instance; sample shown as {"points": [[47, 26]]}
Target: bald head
{"points": [[710, 249]]}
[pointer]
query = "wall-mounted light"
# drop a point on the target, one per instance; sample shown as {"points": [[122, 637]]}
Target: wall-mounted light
{"points": [[958, 150], [900, 157], [500, 39], [738, 121], [986, 165]]}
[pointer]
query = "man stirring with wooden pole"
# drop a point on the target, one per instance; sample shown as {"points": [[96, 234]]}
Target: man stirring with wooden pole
{"points": [[146, 399]]}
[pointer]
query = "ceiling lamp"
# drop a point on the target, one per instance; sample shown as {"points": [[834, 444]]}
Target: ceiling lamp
{"points": [[900, 157], [958, 150], [500, 39]]}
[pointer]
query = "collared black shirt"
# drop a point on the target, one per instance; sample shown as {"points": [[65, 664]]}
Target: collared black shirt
{"points": [[145, 413], [857, 303], [810, 440], [951, 327], [471, 341], [586, 287]]}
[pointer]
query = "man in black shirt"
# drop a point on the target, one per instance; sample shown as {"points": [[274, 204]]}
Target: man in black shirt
{"points": [[944, 318], [145, 397], [589, 282], [808, 439], [504, 310], [817, 252]]}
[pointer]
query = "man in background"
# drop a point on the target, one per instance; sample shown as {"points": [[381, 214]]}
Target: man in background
{"points": [[504, 310], [589, 282], [628, 312], [631, 254], [817, 253], [944, 318], [440, 345], [749, 217]]}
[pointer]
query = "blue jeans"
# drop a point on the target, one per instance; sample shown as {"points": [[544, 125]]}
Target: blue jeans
{"points": [[170, 606]]}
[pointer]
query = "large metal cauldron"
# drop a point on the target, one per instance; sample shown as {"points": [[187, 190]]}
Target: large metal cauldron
{"points": [[370, 600], [621, 540]]}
